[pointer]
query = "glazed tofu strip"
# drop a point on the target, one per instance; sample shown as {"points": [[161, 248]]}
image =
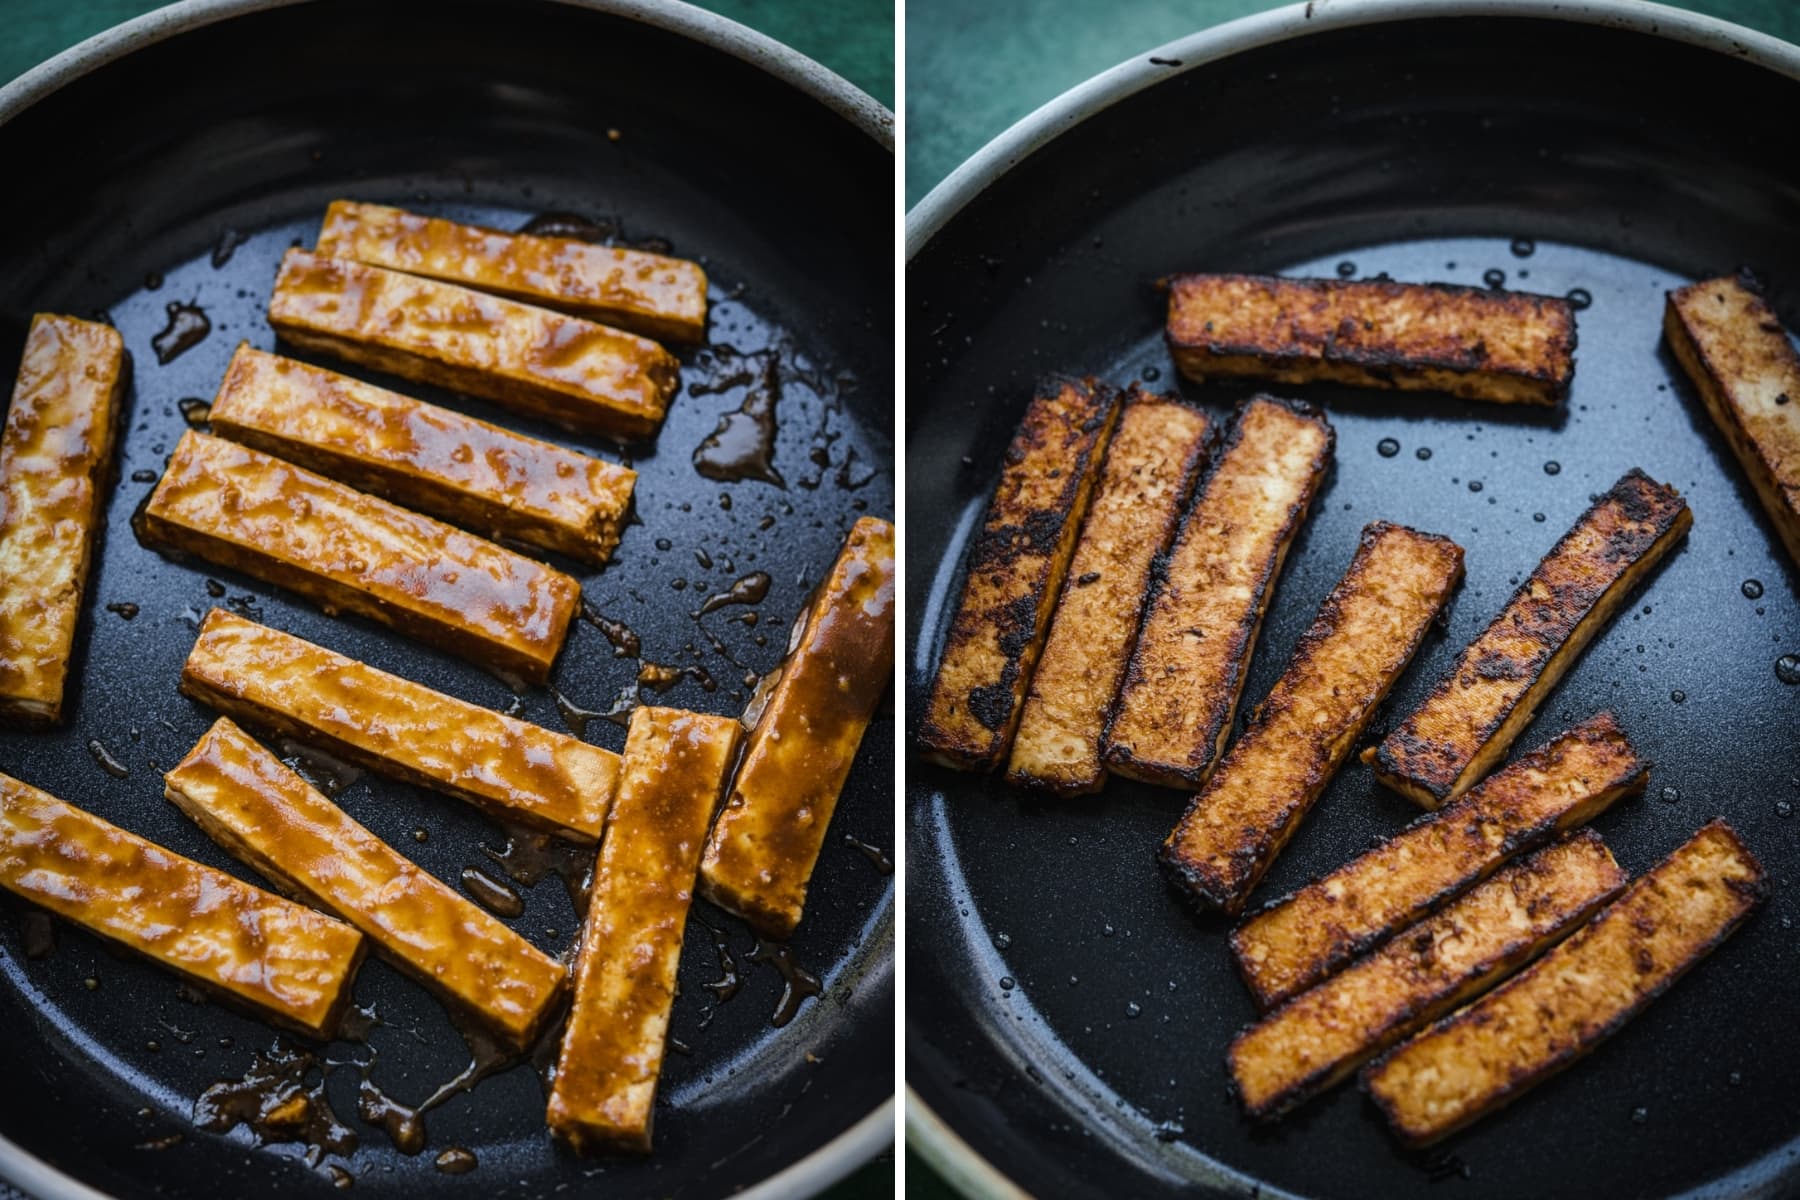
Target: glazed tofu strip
{"points": [[805, 720], [571, 372], [1364, 635], [344, 549], [54, 459], [284, 961], [1015, 571], [1742, 362], [1467, 723], [511, 769], [1314, 1043], [1479, 1059], [1144, 487], [477, 475], [1174, 712], [676, 764], [651, 294], [1506, 347]]}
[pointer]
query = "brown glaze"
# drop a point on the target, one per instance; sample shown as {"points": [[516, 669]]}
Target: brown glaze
{"points": [[274, 1100]]}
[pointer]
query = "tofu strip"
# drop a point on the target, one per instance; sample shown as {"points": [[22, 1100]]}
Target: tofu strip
{"points": [[282, 960], [1468, 722], [1174, 711], [582, 376], [55, 456], [806, 721], [1314, 1043], [1479, 1059], [342, 549], [513, 770], [477, 475], [1505, 347], [676, 764], [1365, 633], [1155, 456], [1301, 939]]}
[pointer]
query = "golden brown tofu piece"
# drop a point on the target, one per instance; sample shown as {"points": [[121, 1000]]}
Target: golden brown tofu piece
{"points": [[651, 294], [1507, 347], [1545, 1018], [1155, 456], [1015, 571], [1174, 711], [1314, 1043], [1467, 723], [512, 769], [571, 372], [423, 457], [282, 960], [346, 550], [1365, 633], [676, 764], [55, 457]]}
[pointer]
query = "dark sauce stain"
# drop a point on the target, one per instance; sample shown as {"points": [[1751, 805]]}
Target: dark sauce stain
{"points": [[751, 589], [677, 1046], [281, 1098], [743, 445], [226, 246], [883, 864], [455, 1161], [404, 1126], [625, 642], [849, 478], [358, 1022], [530, 854], [325, 772], [38, 934], [660, 677], [108, 763], [729, 981], [797, 984], [405, 1123], [124, 608], [571, 225], [214, 588], [167, 1142], [194, 410], [491, 893], [188, 326], [574, 716], [341, 1179]]}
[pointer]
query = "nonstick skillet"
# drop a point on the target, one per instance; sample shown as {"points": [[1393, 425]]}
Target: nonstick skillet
{"points": [[170, 163], [1066, 1016]]}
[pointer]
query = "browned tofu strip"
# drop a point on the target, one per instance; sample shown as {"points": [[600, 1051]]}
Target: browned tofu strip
{"points": [[512, 769], [806, 720], [54, 459], [1015, 570], [343, 549], [1364, 635], [1314, 1043], [1507, 347], [284, 961], [1150, 469], [1469, 721], [563, 369], [1174, 711], [676, 764], [1545, 1018]]}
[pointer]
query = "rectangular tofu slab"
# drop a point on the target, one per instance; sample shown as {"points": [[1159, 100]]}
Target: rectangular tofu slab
{"points": [[346, 550], [562, 369], [651, 294], [283, 961], [1155, 456], [1467, 723], [1505, 347], [805, 720], [1362, 639], [55, 457], [1485, 1056], [1174, 710], [480, 476], [270, 819], [1015, 570], [676, 764]]}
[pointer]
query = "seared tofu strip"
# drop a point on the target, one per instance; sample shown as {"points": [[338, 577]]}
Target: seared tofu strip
{"points": [[1015, 570], [1575, 997], [432, 459], [513, 770], [805, 720], [1314, 1043], [1468, 722], [54, 459], [1149, 473], [651, 294], [676, 763], [1507, 347], [1364, 635], [284, 961], [343, 549], [1174, 711], [576, 374]]}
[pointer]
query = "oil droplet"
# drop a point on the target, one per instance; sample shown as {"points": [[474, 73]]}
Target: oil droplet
{"points": [[1553, 467], [1784, 809], [455, 1161], [1150, 374], [421, 835], [1007, 983], [1579, 298], [1752, 589], [1387, 447], [188, 326], [143, 476], [1134, 1009], [1787, 669], [108, 763], [1423, 453], [124, 608], [1671, 795], [1474, 485], [492, 894], [341, 1179], [751, 589], [1346, 269], [1639, 1115], [570, 225], [1523, 247], [1538, 517], [1494, 277], [1678, 696], [1002, 941]]}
